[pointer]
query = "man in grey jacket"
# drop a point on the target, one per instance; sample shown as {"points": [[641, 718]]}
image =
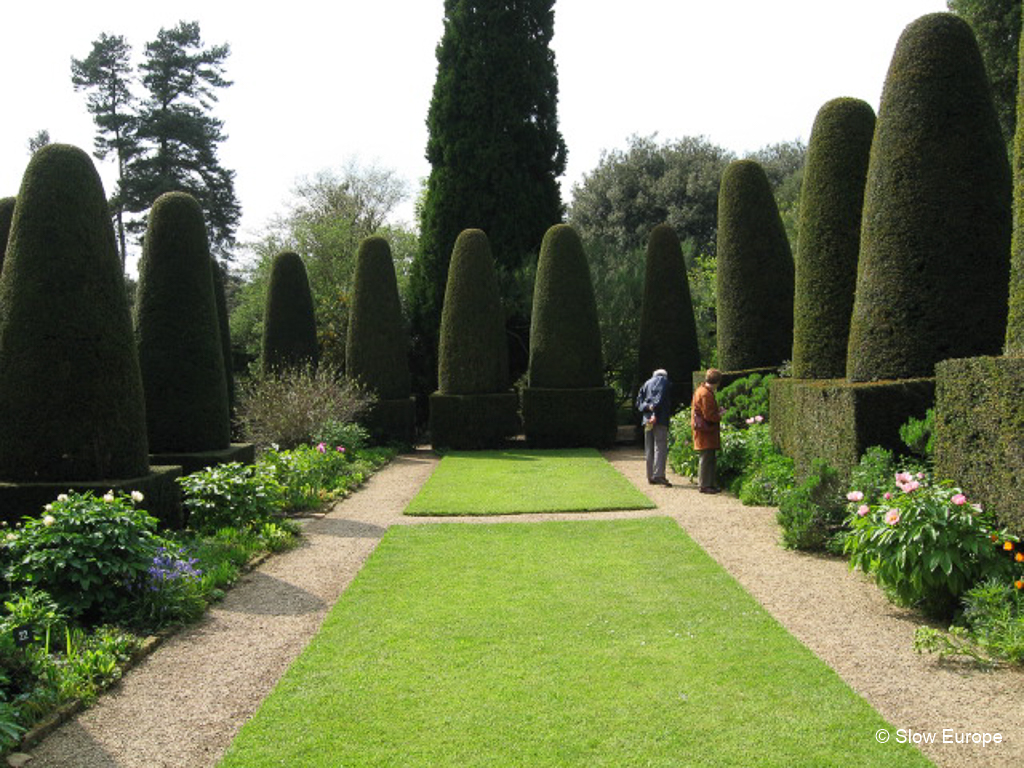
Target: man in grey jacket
{"points": [[654, 401]]}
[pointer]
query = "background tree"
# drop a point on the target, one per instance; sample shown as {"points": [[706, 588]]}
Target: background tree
{"points": [[37, 142], [106, 74], [495, 153], [177, 136], [329, 215], [937, 212], [996, 25]]}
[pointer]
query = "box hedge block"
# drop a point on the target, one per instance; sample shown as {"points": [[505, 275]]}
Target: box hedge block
{"points": [[569, 418], [470, 422]]}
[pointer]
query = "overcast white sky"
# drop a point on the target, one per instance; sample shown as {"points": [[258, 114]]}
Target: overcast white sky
{"points": [[316, 83]]}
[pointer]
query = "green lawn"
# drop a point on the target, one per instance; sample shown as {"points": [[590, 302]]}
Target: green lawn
{"points": [[611, 643], [524, 481]]}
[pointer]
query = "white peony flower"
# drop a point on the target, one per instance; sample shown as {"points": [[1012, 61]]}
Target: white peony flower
{"points": [[49, 520], [137, 496]]}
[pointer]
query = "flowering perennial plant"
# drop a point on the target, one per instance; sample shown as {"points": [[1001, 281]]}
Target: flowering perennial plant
{"points": [[926, 544], [171, 591]]}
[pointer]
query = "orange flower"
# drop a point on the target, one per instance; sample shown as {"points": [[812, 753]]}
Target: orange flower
{"points": [[994, 537], [1008, 546], [1019, 584], [1019, 557]]}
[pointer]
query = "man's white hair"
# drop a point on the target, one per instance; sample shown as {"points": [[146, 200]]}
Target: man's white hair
{"points": [[661, 372]]}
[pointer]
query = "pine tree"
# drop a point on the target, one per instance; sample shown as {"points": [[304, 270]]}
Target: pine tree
{"points": [[830, 215], [177, 331], [754, 281], [933, 272], [495, 154], [668, 331]]}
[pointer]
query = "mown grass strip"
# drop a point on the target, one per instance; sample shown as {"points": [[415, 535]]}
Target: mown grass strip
{"points": [[525, 481], [612, 643]]}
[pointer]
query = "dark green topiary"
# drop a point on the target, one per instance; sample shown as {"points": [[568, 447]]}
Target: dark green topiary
{"points": [[831, 201], [71, 400], [1015, 322], [6, 214], [933, 274], [225, 333], [668, 331], [178, 332], [565, 403], [377, 347], [565, 338], [289, 324], [754, 288], [473, 354]]}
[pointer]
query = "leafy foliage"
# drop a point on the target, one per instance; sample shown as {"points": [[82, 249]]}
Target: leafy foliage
{"points": [[232, 495], [813, 513], [747, 398], [919, 435]]}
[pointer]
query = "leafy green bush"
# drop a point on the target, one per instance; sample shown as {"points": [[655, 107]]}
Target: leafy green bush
{"points": [[919, 435], [813, 513], [683, 459], [746, 398], [232, 495], [171, 592], [289, 406], [85, 551], [349, 434], [925, 545]]}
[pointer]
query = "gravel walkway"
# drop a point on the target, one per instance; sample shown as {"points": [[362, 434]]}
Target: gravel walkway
{"points": [[183, 705]]}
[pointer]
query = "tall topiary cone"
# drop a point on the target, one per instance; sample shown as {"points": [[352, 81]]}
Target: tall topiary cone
{"points": [[289, 323], [71, 401], [377, 346], [565, 403], [668, 330], [6, 214], [178, 332], [754, 285], [933, 275], [473, 407], [1015, 323], [831, 201], [225, 333]]}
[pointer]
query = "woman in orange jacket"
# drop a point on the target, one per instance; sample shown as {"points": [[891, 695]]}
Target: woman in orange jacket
{"points": [[705, 423]]}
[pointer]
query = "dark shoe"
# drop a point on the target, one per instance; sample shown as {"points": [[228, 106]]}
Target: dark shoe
{"points": [[711, 489], [660, 481]]}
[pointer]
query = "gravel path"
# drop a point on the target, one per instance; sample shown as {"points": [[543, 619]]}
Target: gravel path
{"points": [[183, 705]]}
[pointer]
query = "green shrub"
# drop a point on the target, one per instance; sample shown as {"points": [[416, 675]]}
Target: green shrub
{"points": [[288, 407], [6, 215], [813, 513], [919, 435], [754, 283], [682, 457], [289, 324], [746, 400], [473, 351], [71, 400], [751, 467], [350, 435], [178, 332], [874, 473], [377, 346], [831, 200], [313, 474], [86, 552], [668, 330], [925, 544], [234, 495], [171, 592], [937, 212]]}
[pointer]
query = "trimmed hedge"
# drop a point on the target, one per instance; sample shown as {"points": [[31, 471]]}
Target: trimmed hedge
{"points": [[933, 277], [754, 284], [564, 403], [6, 215], [377, 346], [837, 421], [472, 353], [224, 325], [831, 200], [71, 398], [979, 421], [471, 422], [289, 323], [177, 330], [668, 330], [1015, 323]]}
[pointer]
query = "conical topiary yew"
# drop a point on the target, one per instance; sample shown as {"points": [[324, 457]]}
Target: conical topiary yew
{"points": [[933, 273], [1015, 321], [71, 401], [289, 323], [473, 407], [565, 403], [668, 330], [178, 332], [6, 215], [225, 333], [754, 283], [831, 201]]}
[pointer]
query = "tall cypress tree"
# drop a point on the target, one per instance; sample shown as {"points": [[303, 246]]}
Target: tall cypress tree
{"points": [[495, 153]]}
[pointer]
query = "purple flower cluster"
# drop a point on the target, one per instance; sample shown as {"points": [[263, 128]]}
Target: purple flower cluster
{"points": [[171, 566]]}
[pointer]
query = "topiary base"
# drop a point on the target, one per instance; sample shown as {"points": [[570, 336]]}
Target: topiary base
{"points": [[979, 420], [836, 420], [569, 418], [200, 460], [471, 422], [160, 489], [392, 421]]}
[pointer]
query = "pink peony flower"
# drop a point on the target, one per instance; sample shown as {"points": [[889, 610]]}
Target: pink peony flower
{"points": [[759, 418], [892, 517], [322, 447], [887, 496], [863, 509], [854, 496], [959, 499], [750, 420], [909, 487], [341, 449]]}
